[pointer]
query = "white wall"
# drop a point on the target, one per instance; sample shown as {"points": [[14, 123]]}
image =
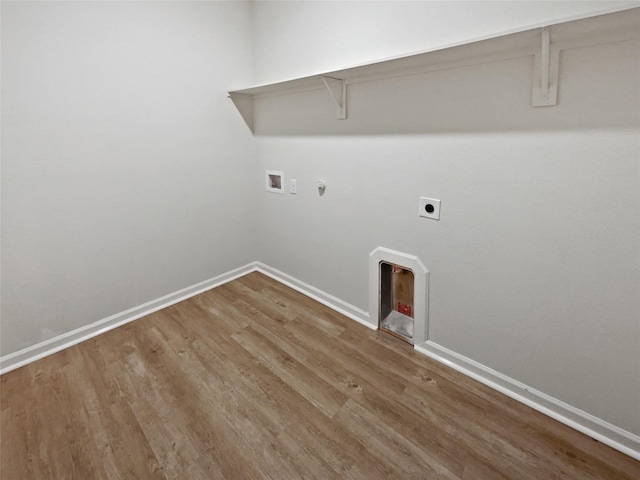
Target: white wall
{"points": [[124, 176], [534, 266]]}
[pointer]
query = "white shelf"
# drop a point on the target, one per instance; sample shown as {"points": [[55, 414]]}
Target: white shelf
{"points": [[543, 43]]}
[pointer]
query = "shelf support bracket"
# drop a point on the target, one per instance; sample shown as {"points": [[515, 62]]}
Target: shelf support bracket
{"points": [[545, 73], [338, 90], [244, 104]]}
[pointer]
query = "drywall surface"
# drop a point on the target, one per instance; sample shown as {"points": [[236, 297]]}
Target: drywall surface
{"points": [[534, 265], [123, 179], [296, 39]]}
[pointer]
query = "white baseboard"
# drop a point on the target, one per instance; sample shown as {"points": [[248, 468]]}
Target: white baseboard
{"points": [[609, 434], [318, 295], [56, 344]]}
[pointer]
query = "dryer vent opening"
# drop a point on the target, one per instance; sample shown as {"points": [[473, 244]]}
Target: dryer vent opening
{"points": [[396, 309], [399, 294]]}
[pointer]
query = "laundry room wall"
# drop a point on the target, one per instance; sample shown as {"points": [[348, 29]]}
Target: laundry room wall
{"points": [[123, 178], [534, 266]]}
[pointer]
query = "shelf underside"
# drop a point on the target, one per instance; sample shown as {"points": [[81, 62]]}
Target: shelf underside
{"points": [[601, 29]]}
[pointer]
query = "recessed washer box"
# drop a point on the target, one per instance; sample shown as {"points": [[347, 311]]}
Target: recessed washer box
{"points": [[429, 208], [275, 181]]}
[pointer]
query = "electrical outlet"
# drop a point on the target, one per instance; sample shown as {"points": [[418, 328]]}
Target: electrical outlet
{"points": [[293, 186], [429, 208]]}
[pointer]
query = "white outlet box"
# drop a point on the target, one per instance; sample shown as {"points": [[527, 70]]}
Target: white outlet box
{"points": [[429, 208], [293, 186]]}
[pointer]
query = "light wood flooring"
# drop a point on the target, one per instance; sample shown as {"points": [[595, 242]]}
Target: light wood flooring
{"points": [[253, 380]]}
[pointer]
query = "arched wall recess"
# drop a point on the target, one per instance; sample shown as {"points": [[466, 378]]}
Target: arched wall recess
{"points": [[543, 44]]}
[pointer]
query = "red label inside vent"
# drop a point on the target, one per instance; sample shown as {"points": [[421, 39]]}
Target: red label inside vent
{"points": [[404, 309]]}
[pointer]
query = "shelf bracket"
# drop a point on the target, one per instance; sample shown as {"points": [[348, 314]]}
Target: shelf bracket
{"points": [[338, 90], [545, 73], [244, 104]]}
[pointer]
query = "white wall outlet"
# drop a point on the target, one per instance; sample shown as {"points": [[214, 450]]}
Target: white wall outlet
{"points": [[429, 208], [293, 186]]}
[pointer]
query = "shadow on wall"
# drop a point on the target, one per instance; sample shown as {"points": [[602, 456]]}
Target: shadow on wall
{"points": [[597, 89]]}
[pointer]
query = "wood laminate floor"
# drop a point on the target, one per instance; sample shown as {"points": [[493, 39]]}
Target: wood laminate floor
{"points": [[252, 380]]}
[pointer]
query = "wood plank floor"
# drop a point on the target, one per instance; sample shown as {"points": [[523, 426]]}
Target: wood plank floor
{"points": [[252, 380]]}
